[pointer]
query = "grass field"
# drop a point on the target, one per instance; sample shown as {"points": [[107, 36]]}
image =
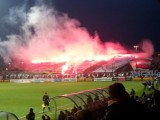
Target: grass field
{"points": [[17, 98]]}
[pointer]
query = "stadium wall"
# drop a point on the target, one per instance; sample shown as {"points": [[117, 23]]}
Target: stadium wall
{"points": [[83, 79], [103, 79]]}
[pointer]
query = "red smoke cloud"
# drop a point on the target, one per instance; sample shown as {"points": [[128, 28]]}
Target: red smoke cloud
{"points": [[50, 36]]}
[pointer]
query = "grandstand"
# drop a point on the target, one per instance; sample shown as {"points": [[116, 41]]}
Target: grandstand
{"points": [[88, 70], [87, 66]]}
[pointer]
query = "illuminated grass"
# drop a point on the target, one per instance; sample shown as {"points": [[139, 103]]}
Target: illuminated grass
{"points": [[17, 98]]}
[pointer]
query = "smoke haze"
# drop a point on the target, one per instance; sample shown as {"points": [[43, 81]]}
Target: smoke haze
{"points": [[46, 35]]}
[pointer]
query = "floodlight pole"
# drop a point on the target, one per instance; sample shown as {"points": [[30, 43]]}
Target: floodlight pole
{"points": [[136, 47]]}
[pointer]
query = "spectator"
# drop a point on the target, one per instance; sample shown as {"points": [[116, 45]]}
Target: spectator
{"points": [[45, 117], [83, 114], [46, 101], [149, 84], [143, 94], [30, 115], [156, 105], [62, 115], [122, 107], [96, 97], [89, 99], [132, 93]]}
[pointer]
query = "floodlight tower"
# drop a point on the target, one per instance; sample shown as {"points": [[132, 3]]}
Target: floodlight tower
{"points": [[136, 47]]}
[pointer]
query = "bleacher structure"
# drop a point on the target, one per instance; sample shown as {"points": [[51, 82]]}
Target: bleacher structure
{"points": [[75, 99], [7, 116]]}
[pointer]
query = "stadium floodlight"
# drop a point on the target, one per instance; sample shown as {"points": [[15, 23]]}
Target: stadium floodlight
{"points": [[136, 47]]}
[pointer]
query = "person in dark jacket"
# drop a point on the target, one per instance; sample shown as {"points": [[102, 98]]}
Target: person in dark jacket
{"points": [[122, 107], [30, 115], [46, 101]]}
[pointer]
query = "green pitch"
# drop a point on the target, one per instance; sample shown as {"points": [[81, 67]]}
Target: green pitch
{"points": [[17, 98]]}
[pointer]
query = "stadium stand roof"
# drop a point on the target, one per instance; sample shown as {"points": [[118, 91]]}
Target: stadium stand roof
{"points": [[7, 116], [112, 66]]}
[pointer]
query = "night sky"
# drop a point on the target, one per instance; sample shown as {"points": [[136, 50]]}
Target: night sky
{"points": [[124, 21]]}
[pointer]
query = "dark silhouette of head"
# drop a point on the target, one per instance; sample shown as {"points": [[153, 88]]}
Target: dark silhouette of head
{"points": [[43, 117], [117, 91], [31, 109]]}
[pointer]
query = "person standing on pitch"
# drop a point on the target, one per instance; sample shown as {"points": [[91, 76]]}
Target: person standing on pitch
{"points": [[46, 101]]}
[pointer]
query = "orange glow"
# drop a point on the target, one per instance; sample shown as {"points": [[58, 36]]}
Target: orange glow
{"points": [[64, 68], [60, 39]]}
